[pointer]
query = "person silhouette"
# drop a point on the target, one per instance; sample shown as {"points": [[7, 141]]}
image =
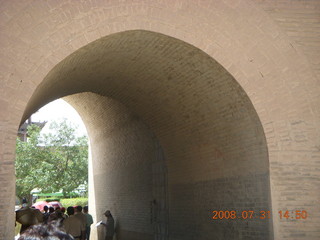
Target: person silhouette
{"points": [[109, 225]]}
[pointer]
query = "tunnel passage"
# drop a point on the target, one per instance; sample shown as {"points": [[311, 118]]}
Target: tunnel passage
{"points": [[152, 102], [132, 177]]}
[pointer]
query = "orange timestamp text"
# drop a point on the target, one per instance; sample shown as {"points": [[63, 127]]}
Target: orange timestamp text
{"points": [[297, 214], [251, 214]]}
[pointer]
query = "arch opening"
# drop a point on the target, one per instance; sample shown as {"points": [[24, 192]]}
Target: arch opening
{"points": [[132, 86]]}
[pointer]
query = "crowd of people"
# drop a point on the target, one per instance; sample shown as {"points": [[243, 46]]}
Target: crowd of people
{"points": [[59, 223]]}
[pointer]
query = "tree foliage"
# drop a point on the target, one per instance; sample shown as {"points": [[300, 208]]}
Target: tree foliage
{"points": [[51, 162]]}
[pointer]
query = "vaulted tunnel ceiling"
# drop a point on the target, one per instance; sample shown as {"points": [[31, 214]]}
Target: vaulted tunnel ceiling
{"points": [[182, 94]]}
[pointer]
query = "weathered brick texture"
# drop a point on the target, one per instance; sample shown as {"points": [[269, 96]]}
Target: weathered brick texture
{"points": [[202, 105]]}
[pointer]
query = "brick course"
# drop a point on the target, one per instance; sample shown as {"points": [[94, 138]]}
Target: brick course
{"points": [[257, 114]]}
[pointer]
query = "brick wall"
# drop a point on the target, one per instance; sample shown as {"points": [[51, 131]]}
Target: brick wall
{"points": [[123, 153], [123, 169], [217, 139], [210, 125]]}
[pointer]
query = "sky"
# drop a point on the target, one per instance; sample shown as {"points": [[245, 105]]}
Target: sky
{"points": [[57, 110]]}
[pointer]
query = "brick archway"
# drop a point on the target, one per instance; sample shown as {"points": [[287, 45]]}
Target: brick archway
{"points": [[211, 135], [241, 36]]}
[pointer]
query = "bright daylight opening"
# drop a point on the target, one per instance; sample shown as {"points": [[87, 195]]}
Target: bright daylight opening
{"points": [[51, 164]]}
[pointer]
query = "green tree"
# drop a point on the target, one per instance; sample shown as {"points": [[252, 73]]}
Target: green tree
{"points": [[52, 162]]}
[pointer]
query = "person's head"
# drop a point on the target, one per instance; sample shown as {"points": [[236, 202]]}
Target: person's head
{"points": [[85, 209], [55, 216], [45, 208], [51, 209], [48, 231], [78, 209], [70, 211], [108, 213], [24, 202]]}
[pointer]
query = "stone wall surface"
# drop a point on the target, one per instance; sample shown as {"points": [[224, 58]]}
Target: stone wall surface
{"points": [[123, 153], [228, 89]]}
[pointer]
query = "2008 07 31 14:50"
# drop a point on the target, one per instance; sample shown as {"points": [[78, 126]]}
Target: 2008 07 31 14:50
{"points": [[250, 214]]}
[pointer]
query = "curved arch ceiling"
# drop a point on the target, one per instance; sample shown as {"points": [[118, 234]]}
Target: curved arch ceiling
{"points": [[167, 82], [214, 144]]}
